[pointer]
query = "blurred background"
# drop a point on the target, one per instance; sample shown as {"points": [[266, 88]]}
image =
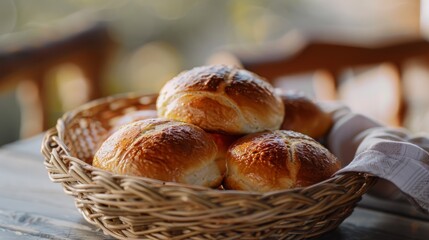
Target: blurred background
{"points": [[56, 55]]}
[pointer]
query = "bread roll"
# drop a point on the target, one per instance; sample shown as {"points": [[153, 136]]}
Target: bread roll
{"points": [[276, 160], [163, 149], [221, 99], [304, 115]]}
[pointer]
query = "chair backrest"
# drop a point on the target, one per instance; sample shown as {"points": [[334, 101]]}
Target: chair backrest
{"points": [[274, 61], [26, 63]]}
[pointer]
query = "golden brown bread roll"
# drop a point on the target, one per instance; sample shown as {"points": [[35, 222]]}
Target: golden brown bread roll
{"points": [[163, 149], [275, 160], [222, 99], [304, 115]]}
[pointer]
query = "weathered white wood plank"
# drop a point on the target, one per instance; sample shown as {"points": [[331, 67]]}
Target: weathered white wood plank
{"points": [[24, 178], [47, 227], [32, 207], [6, 234], [30, 146], [395, 207], [379, 225]]}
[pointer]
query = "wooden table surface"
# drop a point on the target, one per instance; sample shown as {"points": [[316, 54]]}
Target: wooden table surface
{"points": [[32, 207]]}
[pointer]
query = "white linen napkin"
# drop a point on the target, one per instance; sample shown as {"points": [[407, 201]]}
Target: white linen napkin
{"points": [[398, 157]]}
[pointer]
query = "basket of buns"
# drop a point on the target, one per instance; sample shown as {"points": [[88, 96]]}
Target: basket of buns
{"points": [[216, 154]]}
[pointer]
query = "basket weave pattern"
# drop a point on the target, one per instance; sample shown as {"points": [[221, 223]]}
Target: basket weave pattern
{"points": [[134, 207]]}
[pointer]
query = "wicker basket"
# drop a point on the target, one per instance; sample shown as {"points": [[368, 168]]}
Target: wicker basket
{"points": [[134, 207]]}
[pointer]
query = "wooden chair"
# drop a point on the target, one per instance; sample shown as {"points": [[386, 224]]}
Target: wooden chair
{"points": [[26, 65], [285, 58]]}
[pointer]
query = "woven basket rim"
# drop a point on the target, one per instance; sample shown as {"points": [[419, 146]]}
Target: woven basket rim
{"points": [[72, 113], [63, 120], [53, 132]]}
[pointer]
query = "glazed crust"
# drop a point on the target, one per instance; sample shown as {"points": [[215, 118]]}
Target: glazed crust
{"points": [[222, 99], [165, 150], [276, 160]]}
